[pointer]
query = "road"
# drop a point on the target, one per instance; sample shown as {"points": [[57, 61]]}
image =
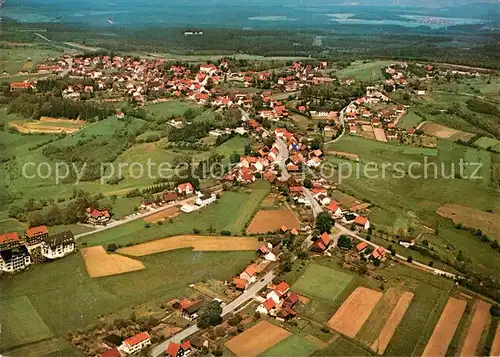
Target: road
{"points": [[348, 232], [342, 123], [227, 309], [281, 159], [315, 206], [114, 224]]}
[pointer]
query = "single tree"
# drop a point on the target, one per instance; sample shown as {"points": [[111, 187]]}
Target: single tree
{"points": [[209, 314]]}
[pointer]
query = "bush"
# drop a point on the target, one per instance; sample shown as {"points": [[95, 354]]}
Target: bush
{"points": [[147, 225], [225, 233], [409, 259], [196, 231], [111, 247]]}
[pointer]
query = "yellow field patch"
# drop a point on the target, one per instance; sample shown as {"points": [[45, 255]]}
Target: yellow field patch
{"points": [[99, 263], [472, 218]]}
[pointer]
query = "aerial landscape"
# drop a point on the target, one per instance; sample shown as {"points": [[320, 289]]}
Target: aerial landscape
{"points": [[264, 178]]}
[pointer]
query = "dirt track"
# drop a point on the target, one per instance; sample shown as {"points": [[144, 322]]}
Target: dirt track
{"points": [[445, 328], [198, 243], [479, 321], [385, 336], [256, 339], [354, 312], [271, 220], [99, 263]]}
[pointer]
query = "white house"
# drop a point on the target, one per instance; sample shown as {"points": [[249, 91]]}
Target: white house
{"points": [[268, 307], [314, 161], [335, 210], [185, 188], [14, 259], [205, 199], [135, 343], [276, 294], [58, 245]]}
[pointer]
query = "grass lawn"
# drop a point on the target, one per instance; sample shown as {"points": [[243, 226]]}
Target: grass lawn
{"points": [[66, 298], [231, 212], [410, 120], [321, 282], [21, 323], [293, 345], [171, 108], [369, 71], [343, 347]]}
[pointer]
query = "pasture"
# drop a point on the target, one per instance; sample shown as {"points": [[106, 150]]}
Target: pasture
{"points": [[294, 345], [364, 70], [321, 282], [172, 108], [66, 298], [410, 120], [486, 143]]}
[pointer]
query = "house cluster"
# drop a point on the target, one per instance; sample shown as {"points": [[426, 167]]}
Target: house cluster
{"points": [[272, 109], [395, 75], [16, 253], [202, 198], [129, 346], [373, 114], [377, 254], [279, 302]]}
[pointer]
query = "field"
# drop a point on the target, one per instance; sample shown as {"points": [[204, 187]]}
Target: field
{"points": [[486, 143], [163, 215], [410, 120], [171, 108], [443, 132], [385, 336], [15, 59], [343, 347], [472, 218], [21, 323], [66, 298], [343, 154], [321, 282], [198, 243], [445, 328], [293, 345], [369, 71], [379, 134], [48, 126], [256, 339], [495, 347], [353, 313], [230, 213], [476, 328], [99, 263], [272, 220]]}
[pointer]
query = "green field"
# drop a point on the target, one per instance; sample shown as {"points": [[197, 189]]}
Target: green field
{"points": [[65, 298], [231, 213], [13, 59], [21, 323], [293, 345], [321, 282], [486, 143], [369, 71], [172, 108], [410, 120], [343, 347]]}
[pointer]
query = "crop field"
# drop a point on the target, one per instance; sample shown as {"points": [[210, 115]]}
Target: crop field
{"points": [[230, 213], [354, 312], [99, 263], [48, 126], [476, 328], [410, 120], [321, 282], [198, 243], [256, 339], [495, 347], [163, 215], [445, 328], [369, 71], [272, 220], [74, 300], [293, 345], [343, 347], [21, 323], [443, 132]]}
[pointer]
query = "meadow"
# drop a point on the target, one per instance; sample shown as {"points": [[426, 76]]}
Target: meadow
{"points": [[294, 345], [410, 120], [230, 213], [364, 70], [64, 297], [24, 58]]}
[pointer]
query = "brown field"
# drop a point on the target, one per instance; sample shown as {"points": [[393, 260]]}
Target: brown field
{"points": [[472, 218], [380, 134], [353, 313], [100, 263], [54, 126], [272, 220], [256, 339], [476, 328], [443, 132], [495, 347], [385, 336], [198, 243], [445, 328], [163, 215], [343, 154]]}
